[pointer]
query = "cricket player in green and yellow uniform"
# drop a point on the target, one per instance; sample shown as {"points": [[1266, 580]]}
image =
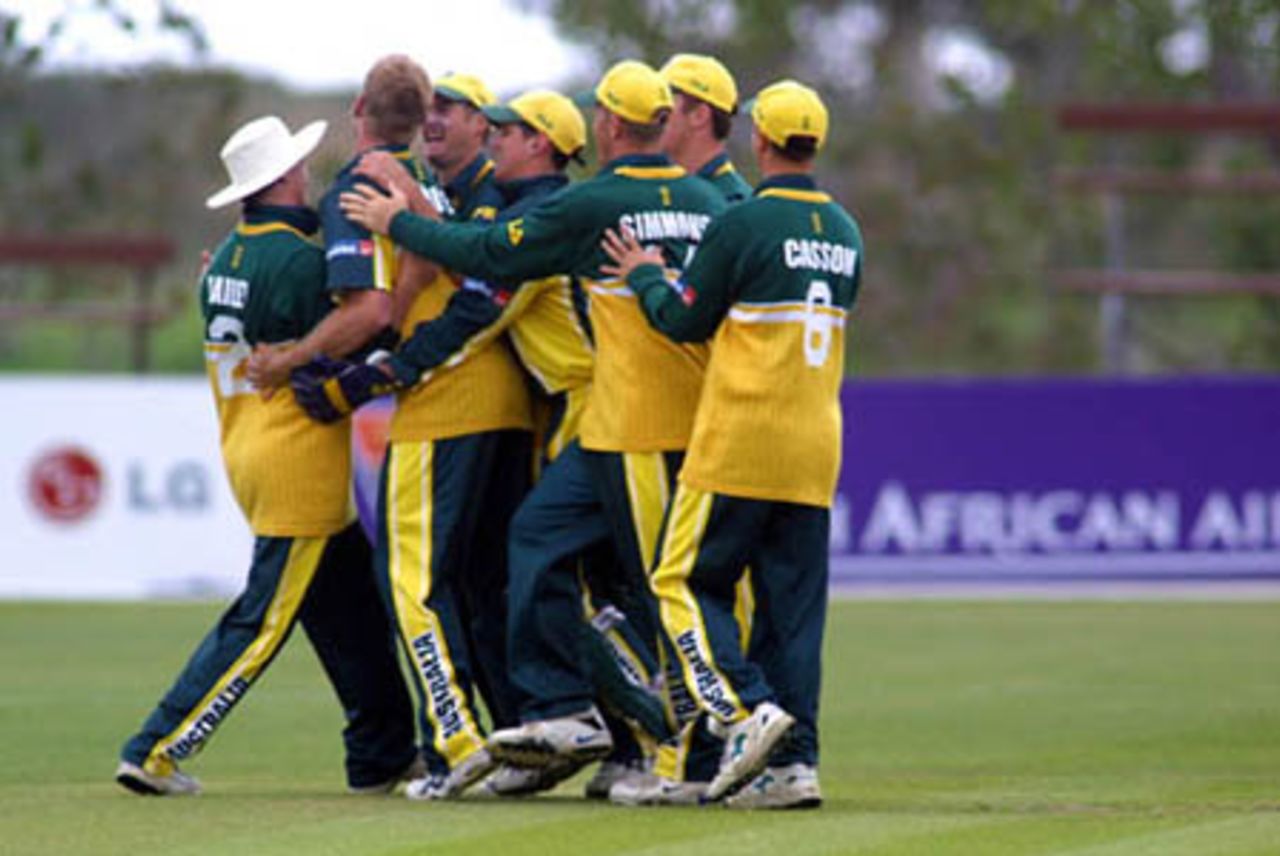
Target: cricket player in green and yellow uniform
{"points": [[614, 482], [534, 138], [772, 285], [458, 464], [454, 135], [459, 454], [706, 100], [291, 478]]}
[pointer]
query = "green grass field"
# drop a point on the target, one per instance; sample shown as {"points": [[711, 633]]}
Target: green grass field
{"points": [[949, 728]]}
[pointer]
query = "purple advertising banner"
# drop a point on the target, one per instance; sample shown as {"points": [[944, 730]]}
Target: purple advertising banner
{"points": [[1059, 481], [1063, 484]]}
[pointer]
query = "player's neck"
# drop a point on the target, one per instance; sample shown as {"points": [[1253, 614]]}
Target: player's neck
{"points": [[772, 165], [529, 169], [698, 153], [626, 148], [448, 172]]}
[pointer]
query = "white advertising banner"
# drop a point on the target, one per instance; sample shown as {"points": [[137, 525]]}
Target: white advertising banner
{"points": [[114, 488]]}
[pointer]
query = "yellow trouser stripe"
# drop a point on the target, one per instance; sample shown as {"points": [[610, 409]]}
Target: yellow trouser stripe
{"points": [[295, 578], [648, 493], [410, 515], [670, 759], [681, 616], [744, 608]]}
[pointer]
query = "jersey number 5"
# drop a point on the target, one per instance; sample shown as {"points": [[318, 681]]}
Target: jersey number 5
{"points": [[817, 323]]}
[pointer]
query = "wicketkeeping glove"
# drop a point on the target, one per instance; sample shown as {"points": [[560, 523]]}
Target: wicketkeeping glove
{"points": [[329, 390]]}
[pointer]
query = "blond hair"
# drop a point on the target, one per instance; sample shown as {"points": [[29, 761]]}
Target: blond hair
{"points": [[396, 94]]}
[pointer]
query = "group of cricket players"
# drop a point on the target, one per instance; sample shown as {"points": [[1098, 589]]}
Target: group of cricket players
{"points": [[603, 514]]}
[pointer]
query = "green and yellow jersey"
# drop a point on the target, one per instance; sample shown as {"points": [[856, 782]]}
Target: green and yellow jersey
{"points": [[484, 393], [773, 281], [473, 192], [725, 178], [266, 283], [544, 318], [645, 387]]}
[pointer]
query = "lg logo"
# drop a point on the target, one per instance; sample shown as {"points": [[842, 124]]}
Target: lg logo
{"points": [[65, 484]]}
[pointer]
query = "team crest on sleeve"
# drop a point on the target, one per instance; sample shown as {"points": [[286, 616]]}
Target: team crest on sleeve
{"points": [[687, 293], [342, 249], [499, 296], [515, 232]]}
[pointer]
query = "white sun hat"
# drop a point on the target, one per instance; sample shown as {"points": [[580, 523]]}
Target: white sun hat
{"points": [[259, 153]]}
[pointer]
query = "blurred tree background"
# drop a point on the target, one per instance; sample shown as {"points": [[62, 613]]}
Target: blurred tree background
{"points": [[944, 144]]}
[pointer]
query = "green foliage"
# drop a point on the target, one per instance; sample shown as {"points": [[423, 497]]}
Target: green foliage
{"points": [[948, 730], [952, 181], [954, 186]]}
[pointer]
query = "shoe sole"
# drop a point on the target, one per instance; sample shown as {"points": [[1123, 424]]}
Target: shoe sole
{"points": [[473, 776], [769, 737], [415, 770], [550, 778], [539, 753], [798, 805], [138, 786]]}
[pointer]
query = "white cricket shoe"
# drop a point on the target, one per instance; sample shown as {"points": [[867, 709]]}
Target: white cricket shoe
{"points": [[417, 769], [792, 786], [611, 773], [655, 790], [470, 770], [747, 745], [582, 738], [509, 781], [174, 784]]}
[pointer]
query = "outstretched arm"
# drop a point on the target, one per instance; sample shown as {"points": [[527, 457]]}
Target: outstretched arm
{"points": [[540, 244]]}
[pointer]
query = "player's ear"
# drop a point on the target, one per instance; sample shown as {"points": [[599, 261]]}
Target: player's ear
{"points": [[704, 114], [357, 107]]}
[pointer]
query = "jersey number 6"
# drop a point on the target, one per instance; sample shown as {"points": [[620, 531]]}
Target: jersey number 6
{"points": [[818, 320]]}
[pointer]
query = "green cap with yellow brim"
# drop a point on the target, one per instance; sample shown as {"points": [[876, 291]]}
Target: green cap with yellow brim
{"points": [[789, 109], [545, 111]]}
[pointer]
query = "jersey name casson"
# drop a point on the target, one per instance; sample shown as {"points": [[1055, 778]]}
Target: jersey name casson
{"points": [[823, 256], [665, 225]]}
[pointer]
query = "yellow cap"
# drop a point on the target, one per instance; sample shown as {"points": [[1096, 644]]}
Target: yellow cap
{"points": [[789, 109], [467, 88], [634, 92], [549, 112], [704, 78]]}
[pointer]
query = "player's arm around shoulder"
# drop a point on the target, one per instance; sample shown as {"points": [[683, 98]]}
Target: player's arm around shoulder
{"points": [[523, 248], [689, 306]]}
